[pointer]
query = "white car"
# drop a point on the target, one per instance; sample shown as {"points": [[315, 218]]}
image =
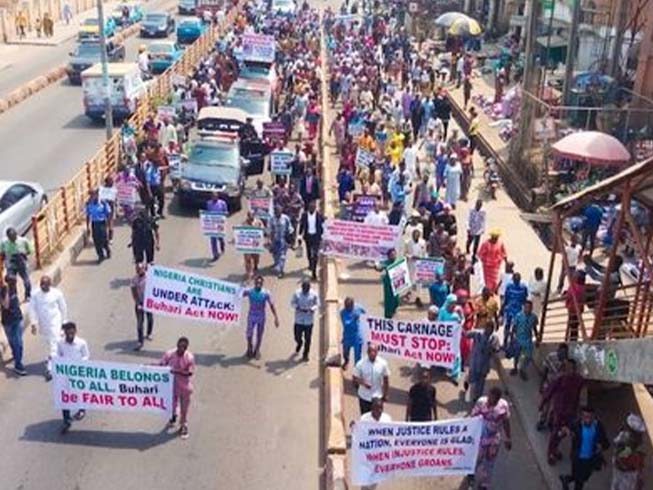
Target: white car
{"points": [[19, 201], [283, 6], [254, 98]]}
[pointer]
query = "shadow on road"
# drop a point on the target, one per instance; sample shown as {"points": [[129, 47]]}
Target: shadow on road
{"points": [[82, 122], [283, 365], [48, 431], [198, 263]]}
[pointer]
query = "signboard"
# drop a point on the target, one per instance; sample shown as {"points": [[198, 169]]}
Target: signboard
{"points": [[433, 343], [189, 105], [399, 277], [249, 239], [625, 361], [274, 131], [385, 451], [355, 240], [174, 162], [261, 207], [281, 162], [213, 224], [112, 386], [126, 194], [178, 80], [364, 158], [258, 47], [165, 112], [181, 294], [363, 204], [426, 269], [107, 193]]}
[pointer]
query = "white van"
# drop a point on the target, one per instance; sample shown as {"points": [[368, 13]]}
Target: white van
{"points": [[125, 87]]}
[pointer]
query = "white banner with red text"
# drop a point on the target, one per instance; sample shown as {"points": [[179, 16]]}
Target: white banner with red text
{"points": [[354, 240]]}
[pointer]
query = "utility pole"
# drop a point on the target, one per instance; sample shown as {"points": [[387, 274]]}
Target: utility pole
{"points": [[571, 52], [108, 112], [623, 8], [529, 85]]}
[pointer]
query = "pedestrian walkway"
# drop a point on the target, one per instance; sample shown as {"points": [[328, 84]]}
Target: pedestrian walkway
{"points": [[62, 31]]}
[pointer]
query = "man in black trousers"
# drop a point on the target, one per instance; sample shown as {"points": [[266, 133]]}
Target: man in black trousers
{"points": [[311, 226]]}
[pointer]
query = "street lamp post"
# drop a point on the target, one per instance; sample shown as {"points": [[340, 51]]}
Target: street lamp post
{"points": [[106, 90]]}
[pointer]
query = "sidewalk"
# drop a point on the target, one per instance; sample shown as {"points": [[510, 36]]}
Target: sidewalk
{"points": [[62, 31]]}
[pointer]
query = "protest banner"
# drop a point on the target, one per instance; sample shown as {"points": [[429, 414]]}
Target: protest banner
{"points": [[364, 158], [280, 162], [249, 239], [166, 112], [181, 294], [363, 204], [174, 162], [190, 105], [399, 277], [120, 387], [433, 343], [259, 47], [126, 194], [426, 269], [274, 131], [107, 193], [213, 224], [351, 239], [384, 451], [261, 207]]}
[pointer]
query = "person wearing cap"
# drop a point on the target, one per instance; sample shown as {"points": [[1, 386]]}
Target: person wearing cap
{"points": [[492, 254], [71, 348], [12, 321], [305, 302], [628, 459]]}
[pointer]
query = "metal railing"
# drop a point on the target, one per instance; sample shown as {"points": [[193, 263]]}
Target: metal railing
{"points": [[65, 210]]}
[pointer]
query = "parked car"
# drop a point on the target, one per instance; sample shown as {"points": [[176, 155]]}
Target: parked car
{"points": [[189, 30], [19, 201], [213, 165], [89, 29], [87, 53], [187, 7], [253, 97], [163, 54], [134, 14], [157, 24], [286, 7]]}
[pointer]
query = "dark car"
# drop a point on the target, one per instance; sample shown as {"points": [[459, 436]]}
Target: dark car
{"points": [[157, 24], [87, 54], [214, 165]]}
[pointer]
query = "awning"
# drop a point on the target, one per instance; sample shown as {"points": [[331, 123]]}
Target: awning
{"points": [[555, 42]]}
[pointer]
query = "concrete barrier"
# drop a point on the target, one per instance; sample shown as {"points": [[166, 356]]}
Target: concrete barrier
{"points": [[336, 472], [332, 334], [336, 435]]}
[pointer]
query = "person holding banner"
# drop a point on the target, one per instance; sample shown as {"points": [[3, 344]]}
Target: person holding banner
{"points": [[372, 376], [422, 406], [251, 260], [217, 204], [182, 364], [495, 411], [259, 298], [75, 348], [138, 294]]}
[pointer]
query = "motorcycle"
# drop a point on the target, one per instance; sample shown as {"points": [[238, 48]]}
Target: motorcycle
{"points": [[491, 178]]}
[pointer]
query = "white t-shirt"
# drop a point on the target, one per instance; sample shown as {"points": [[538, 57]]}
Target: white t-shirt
{"points": [[506, 278], [376, 218], [383, 419], [416, 249], [77, 350], [573, 254], [371, 373], [410, 156]]}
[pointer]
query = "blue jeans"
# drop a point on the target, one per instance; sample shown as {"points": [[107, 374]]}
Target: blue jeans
{"points": [[18, 267], [14, 333], [346, 348], [508, 318]]}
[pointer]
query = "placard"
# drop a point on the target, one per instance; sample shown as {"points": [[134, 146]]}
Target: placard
{"points": [[434, 343], [363, 204], [107, 193], [281, 162], [249, 239], [385, 451], [274, 131], [174, 163], [213, 224], [364, 158], [399, 275], [189, 105], [258, 47], [166, 112], [111, 386], [126, 194], [178, 80], [181, 294], [351, 239], [426, 269], [262, 207]]}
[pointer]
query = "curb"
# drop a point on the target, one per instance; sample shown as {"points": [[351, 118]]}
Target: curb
{"points": [[336, 435], [336, 472], [37, 84]]}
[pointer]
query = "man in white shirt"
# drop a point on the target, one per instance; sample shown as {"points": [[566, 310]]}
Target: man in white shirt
{"points": [[572, 251], [305, 302], [410, 157], [376, 414], [476, 221], [71, 348], [48, 311], [415, 249], [375, 216], [372, 375]]}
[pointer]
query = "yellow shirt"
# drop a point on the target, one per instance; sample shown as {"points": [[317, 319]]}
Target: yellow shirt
{"points": [[395, 153], [398, 139], [474, 126]]}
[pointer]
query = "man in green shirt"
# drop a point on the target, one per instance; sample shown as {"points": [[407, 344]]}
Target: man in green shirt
{"points": [[15, 251]]}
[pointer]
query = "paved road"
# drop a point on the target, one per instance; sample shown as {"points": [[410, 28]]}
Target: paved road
{"points": [[21, 63], [253, 424], [47, 138]]}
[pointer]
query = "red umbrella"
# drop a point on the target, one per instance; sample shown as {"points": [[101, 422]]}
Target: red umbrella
{"points": [[593, 147]]}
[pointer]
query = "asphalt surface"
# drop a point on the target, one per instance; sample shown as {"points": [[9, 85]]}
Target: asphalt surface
{"points": [[47, 138]]}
